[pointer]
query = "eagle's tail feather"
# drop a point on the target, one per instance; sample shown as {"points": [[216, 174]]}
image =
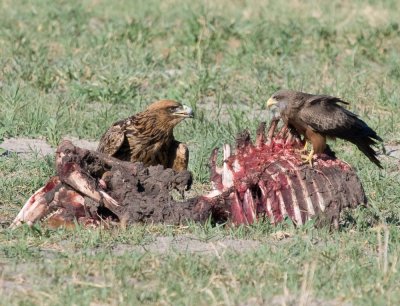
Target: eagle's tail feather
{"points": [[364, 138], [364, 145], [374, 136]]}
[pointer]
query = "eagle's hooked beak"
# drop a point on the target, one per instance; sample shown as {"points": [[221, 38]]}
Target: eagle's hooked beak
{"points": [[271, 102], [184, 111], [273, 105]]}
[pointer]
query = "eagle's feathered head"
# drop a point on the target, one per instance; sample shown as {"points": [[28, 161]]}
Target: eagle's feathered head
{"points": [[282, 98], [169, 112]]}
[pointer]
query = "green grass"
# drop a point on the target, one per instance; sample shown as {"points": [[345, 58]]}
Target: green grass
{"points": [[74, 67]]}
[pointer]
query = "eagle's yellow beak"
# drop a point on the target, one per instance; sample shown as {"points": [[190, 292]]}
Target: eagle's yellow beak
{"points": [[184, 111], [271, 102]]}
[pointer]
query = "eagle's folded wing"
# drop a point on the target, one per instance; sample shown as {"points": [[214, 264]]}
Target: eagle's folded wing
{"points": [[328, 118], [112, 140]]}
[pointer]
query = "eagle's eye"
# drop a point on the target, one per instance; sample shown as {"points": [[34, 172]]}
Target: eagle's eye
{"points": [[172, 109]]}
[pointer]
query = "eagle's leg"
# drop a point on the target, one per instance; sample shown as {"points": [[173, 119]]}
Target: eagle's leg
{"points": [[305, 148], [178, 156], [318, 143]]}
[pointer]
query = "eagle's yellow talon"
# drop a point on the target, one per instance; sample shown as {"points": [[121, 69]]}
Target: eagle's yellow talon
{"points": [[308, 158]]}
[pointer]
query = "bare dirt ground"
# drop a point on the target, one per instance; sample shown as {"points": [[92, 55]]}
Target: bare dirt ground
{"points": [[25, 147], [190, 244], [393, 151]]}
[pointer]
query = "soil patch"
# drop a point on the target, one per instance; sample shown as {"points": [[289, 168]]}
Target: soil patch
{"points": [[393, 151], [190, 244], [26, 147]]}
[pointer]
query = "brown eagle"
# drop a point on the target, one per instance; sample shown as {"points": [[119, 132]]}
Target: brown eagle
{"points": [[148, 136], [318, 117]]}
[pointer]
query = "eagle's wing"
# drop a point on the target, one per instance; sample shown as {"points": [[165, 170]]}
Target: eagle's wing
{"points": [[113, 139], [325, 116]]}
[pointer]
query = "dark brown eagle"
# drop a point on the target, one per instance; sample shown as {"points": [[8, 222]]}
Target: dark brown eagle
{"points": [[148, 136], [317, 117]]}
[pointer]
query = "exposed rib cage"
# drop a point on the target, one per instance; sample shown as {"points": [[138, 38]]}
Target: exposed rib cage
{"points": [[268, 180]]}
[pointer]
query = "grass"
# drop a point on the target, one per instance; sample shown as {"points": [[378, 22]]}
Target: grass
{"points": [[74, 67]]}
